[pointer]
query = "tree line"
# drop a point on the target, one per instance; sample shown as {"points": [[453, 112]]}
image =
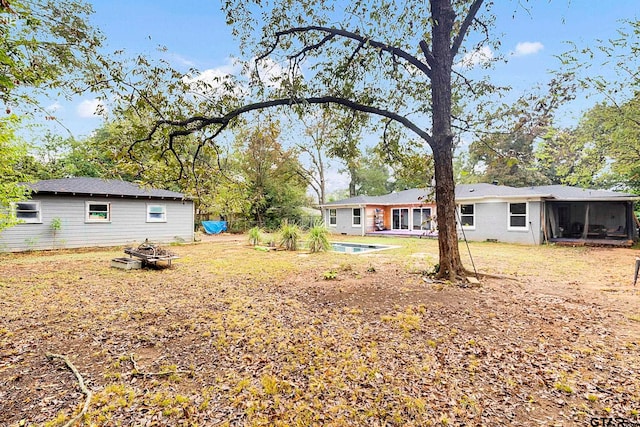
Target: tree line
{"points": [[381, 70]]}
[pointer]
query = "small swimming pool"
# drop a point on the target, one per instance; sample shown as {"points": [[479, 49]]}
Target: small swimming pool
{"points": [[358, 248]]}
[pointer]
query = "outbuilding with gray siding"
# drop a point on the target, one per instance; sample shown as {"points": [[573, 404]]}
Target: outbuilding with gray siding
{"points": [[93, 212]]}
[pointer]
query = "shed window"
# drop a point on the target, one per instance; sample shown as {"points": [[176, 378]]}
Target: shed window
{"points": [[517, 216], [98, 212], [28, 212], [156, 213], [333, 217], [357, 217], [468, 216]]}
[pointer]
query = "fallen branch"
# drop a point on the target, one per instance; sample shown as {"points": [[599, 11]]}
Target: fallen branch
{"points": [[137, 373], [83, 387]]}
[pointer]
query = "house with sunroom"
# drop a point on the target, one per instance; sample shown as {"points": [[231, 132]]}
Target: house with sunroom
{"points": [[488, 212], [87, 212]]}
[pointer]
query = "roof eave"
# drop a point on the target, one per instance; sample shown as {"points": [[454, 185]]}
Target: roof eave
{"points": [[597, 199], [128, 196], [528, 197]]}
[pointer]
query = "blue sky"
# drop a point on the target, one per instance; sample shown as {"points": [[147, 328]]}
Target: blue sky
{"points": [[195, 34], [532, 34]]}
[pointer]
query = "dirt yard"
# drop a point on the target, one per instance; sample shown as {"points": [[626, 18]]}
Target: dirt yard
{"points": [[234, 336]]}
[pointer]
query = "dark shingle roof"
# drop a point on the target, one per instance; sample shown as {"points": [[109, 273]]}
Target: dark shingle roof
{"points": [[101, 187]]}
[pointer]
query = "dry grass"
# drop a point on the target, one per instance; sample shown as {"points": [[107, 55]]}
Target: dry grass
{"points": [[234, 336]]}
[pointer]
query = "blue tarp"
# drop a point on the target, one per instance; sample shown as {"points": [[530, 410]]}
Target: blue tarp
{"points": [[214, 227]]}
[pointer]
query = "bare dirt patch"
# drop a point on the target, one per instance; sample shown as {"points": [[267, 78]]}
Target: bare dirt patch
{"points": [[233, 336]]}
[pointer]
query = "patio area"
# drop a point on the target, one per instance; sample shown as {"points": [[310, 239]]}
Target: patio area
{"points": [[405, 233]]}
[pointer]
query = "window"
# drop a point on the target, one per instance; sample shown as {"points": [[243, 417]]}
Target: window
{"points": [[468, 216], [156, 213], [517, 216], [357, 217], [28, 212], [98, 212], [333, 217]]}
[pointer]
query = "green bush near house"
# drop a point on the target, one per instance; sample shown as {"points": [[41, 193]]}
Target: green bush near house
{"points": [[318, 238], [289, 235], [255, 235]]}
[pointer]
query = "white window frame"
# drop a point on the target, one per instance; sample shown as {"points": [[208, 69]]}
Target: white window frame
{"points": [[38, 210], [421, 210], [409, 219], [163, 218], [333, 217], [467, 227], [354, 216], [510, 215], [87, 212]]}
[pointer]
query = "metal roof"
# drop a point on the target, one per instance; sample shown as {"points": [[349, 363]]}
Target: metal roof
{"points": [[100, 187]]}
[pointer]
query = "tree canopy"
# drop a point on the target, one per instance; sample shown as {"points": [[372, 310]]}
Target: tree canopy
{"points": [[374, 59], [45, 45], [12, 152]]}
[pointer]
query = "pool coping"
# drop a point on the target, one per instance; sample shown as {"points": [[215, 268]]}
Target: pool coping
{"points": [[385, 247]]}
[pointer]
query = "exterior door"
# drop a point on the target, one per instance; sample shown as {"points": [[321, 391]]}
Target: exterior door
{"points": [[400, 219], [422, 219]]}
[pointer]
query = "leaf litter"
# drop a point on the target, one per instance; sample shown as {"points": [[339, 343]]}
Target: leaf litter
{"points": [[268, 341]]}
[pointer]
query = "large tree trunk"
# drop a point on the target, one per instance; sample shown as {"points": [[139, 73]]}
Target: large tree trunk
{"points": [[442, 143], [450, 262], [322, 196], [352, 181]]}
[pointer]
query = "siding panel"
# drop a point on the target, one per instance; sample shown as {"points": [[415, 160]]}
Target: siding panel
{"points": [[491, 220], [128, 224]]}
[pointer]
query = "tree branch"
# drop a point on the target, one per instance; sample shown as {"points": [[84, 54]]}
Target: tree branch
{"points": [[426, 51], [333, 32], [83, 387], [197, 123], [459, 38]]}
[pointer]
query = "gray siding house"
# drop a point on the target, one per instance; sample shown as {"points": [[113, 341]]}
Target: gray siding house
{"points": [[500, 213], [526, 215], [97, 212]]}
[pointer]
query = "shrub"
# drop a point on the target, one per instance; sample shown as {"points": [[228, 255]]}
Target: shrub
{"points": [[330, 275], [319, 238], [255, 235], [289, 236]]}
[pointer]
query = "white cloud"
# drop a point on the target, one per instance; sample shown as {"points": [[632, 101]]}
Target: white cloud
{"points": [[270, 72], [215, 80], [336, 181], [528, 48], [234, 77], [180, 60], [56, 106], [478, 56], [90, 108]]}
